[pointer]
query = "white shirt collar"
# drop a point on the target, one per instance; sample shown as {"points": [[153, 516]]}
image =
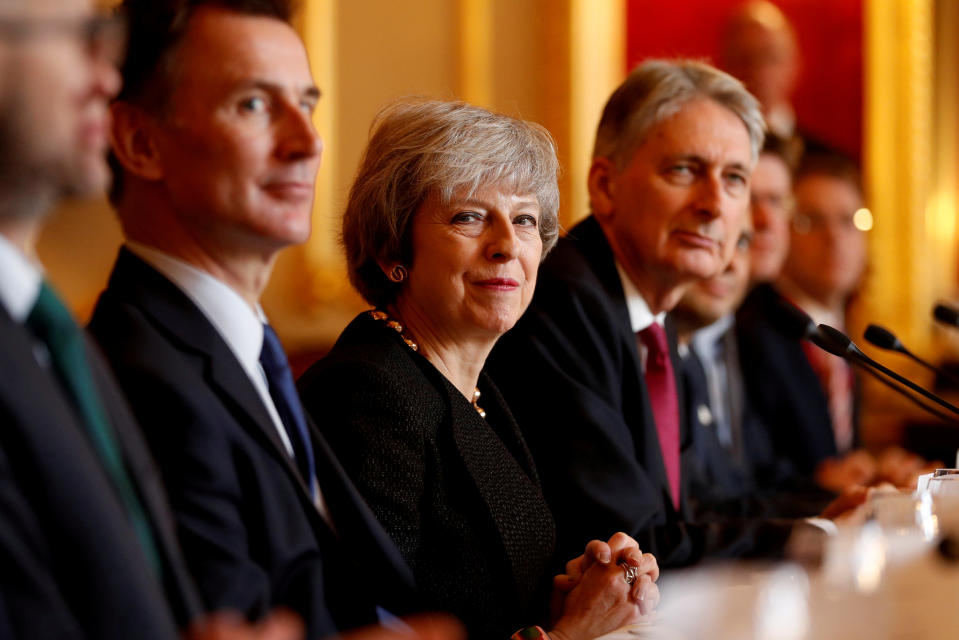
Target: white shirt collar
{"points": [[20, 280], [238, 324], [640, 317]]}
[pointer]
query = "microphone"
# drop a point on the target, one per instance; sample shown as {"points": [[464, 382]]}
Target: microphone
{"points": [[830, 345], [946, 315], [839, 344], [885, 339], [796, 323], [792, 320]]}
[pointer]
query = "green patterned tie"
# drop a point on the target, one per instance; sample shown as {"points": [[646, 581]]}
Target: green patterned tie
{"points": [[52, 323]]}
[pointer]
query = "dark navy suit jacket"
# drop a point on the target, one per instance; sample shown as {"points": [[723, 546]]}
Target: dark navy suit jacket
{"points": [[249, 529], [570, 371], [70, 563], [782, 385]]}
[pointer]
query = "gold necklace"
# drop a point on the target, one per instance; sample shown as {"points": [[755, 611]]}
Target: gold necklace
{"points": [[382, 316]]}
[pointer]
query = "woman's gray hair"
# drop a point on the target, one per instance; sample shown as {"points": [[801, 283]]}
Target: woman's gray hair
{"points": [[421, 147], [658, 89]]}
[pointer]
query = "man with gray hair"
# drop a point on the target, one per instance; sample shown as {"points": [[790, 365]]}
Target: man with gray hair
{"points": [[589, 370]]}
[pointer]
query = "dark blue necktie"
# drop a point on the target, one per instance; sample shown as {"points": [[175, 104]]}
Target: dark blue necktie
{"points": [[287, 402]]}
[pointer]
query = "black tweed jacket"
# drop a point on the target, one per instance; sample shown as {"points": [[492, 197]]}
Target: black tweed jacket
{"points": [[459, 494]]}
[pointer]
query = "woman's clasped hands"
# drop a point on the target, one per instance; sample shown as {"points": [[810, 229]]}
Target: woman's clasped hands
{"points": [[611, 585]]}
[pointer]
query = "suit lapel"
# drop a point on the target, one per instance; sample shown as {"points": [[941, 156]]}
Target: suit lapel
{"points": [[685, 432], [637, 406], [55, 425], [184, 325], [187, 328]]}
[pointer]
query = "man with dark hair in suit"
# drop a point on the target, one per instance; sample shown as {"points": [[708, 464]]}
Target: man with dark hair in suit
{"points": [[589, 370], [822, 257], [87, 544], [216, 154]]}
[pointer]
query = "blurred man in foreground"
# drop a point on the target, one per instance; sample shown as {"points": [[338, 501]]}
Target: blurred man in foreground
{"points": [[87, 548], [86, 540]]}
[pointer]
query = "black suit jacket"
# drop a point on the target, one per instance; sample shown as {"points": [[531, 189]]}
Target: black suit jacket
{"points": [[756, 484], [571, 373], [249, 530], [70, 562], [782, 385], [713, 472], [459, 494]]}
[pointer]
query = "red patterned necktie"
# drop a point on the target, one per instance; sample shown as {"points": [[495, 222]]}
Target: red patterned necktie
{"points": [[661, 385]]}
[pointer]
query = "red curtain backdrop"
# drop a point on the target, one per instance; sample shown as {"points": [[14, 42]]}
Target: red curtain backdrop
{"points": [[828, 99]]}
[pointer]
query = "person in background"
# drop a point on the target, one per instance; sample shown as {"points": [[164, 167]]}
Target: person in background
{"points": [[780, 382], [772, 205], [729, 444], [822, 270], [449, 217], [215, 159], [734, 451], [758, 46], [739, 472]]}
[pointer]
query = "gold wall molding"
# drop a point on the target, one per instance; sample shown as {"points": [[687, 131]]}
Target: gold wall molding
{"points": [[899, 166], [597, 44], [911, 166], [475, 51]]}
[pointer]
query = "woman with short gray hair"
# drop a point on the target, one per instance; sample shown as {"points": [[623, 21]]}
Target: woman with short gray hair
{"points": [[409, 161], [452, 211]]}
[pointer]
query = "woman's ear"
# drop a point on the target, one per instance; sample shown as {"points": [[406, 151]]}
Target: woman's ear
{"points": [[133, 140], [385, 265]]}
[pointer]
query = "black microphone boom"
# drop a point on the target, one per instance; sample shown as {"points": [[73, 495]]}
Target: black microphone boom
{"points": [[946, 315], [839, 344], [885, 339], [899, 389], [795, 323]]}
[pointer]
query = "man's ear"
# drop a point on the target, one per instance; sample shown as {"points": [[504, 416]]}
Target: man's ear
{"points": [[132, 138], [601, 188]]}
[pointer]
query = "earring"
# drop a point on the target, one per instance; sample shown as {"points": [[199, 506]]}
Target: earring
{"points": [[398, 273]]}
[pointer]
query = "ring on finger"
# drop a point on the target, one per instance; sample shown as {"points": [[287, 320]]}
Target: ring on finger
{"points": [[630, 573]]}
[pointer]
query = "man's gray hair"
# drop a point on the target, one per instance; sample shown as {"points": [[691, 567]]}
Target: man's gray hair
{"points": [[421, 147], [658, 89]]}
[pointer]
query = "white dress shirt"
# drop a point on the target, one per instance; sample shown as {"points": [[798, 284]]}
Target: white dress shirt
{"points": [[239, 324], [20, 280], [640, 316], [715, 346]]}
